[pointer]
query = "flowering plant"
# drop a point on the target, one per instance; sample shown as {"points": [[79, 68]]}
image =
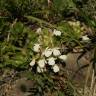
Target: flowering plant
{"points": [[47, 52]]}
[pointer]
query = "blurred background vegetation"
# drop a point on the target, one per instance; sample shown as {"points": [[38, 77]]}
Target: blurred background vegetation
{"points": [[15, 24], [19, 20]]}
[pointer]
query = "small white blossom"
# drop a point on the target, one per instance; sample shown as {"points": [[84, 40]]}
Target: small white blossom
{"points": [[36, 48], [56, 32], [32, 63], [51, 61], [56, 68], [41, 63], [39, 30], [48, 52], [63, 57], [85, 38], [56, 52], [40, 70]]}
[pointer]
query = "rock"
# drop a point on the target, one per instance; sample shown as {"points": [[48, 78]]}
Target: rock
{"points": [[72, 66]]}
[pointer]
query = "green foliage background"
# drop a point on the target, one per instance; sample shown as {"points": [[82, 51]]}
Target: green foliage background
{"points": [[16, 36], [19, 20]]}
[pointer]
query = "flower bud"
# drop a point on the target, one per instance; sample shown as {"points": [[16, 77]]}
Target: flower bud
{"points": [[39, 30], [36, 48], [32, 63], [56, 32]]}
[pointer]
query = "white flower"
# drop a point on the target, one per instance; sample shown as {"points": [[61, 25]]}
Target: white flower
{"points": [[56, 32], [39, 30], [63, 57], [41, 63], [51, 61], [32, 63], [48, 52], [56, 52], [56, 68], [40, 70], [85, 38], [36, 48]]}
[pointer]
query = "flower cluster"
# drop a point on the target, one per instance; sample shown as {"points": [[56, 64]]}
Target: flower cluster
{"points": [[46, 53], [47, 56]]}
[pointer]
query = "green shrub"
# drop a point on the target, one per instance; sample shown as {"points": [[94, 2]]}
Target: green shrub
{"points": [[16, 47]]}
